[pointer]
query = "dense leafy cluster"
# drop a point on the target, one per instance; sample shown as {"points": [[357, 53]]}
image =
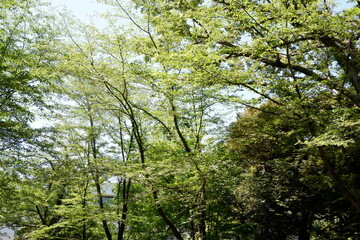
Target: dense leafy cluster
{"points": [[140, 145]]}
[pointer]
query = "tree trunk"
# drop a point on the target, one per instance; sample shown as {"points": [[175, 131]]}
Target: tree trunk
{"points": [[165, 218], [202, 222], [94, 152], [192, 229], [125, 198], [305, 225], [101, 204]]}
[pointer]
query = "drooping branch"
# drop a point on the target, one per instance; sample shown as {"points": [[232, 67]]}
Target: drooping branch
{"points": [[234, 51], [237, 52]]}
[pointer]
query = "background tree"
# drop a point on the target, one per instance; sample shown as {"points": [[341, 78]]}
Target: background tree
{"points": [[281, 179], [23, 60], [141, 112], [25, 57], [297, 61]]}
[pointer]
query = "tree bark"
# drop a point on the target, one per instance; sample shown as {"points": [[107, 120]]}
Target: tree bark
{"points": [[202, 222], [165, 218], [125, 198], [96, 177], [305, 224]]}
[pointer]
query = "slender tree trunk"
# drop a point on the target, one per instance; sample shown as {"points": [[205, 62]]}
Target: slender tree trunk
{"points": [[125, 198], [101, 204], [202, 222], [165, 218], [128, 107], [84, 230], [96, 176], [305, 225], [43, 222], [154, 193], [192, 229]]}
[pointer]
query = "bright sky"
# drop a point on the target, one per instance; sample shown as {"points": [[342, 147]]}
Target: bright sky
{"points": [[82, 9]]}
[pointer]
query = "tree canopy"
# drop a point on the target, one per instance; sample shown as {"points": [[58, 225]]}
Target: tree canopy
{"points": [[137, 143]]}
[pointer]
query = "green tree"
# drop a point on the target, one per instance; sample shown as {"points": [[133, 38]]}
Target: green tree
{"points": [[287, 53], [151, 122], [25, 57], [139, 111], [284, 188], [301, 56], [25, 54]]}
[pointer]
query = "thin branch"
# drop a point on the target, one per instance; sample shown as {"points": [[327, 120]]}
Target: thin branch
{"points": [[137, 25]]}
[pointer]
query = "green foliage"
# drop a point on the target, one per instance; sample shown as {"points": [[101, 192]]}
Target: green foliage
{"points": [[24, 56], [140, 148], [283, 183]]}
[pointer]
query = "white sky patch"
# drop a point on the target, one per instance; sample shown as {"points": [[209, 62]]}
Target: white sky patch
{"points": [[83, 9], [88, 11]]}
